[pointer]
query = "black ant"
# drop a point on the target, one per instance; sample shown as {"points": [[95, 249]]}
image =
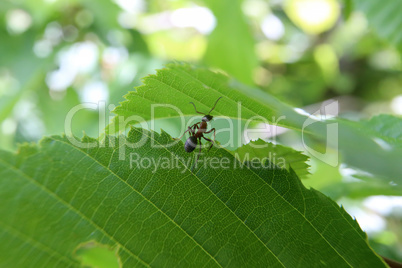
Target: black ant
{"points": [[198, 130]]}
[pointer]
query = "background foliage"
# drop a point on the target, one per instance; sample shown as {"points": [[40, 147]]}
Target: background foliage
{"points": [[57, 54]]}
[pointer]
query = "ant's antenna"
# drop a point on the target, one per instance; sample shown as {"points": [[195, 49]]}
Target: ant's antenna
{"points": [[195, 108], [215, 104], [209, 111]]}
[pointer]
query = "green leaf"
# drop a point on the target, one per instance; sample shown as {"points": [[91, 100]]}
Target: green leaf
{"points": [[387, 127], [231, 44], [177, 85], [385, 17], [59, 196], [347, 8], [277, 154]]}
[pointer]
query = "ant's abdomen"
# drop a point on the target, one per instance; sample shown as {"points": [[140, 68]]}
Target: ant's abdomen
{"points": [[190, 144]]}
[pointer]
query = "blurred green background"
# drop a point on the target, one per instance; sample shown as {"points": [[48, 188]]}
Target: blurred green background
{"points": [[57, 54]]}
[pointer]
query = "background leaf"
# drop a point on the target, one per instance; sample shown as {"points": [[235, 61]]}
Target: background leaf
{"points": [[347, 8], [387, 127], [231, 50], [385, 18], [58, 196], [178, 84]]}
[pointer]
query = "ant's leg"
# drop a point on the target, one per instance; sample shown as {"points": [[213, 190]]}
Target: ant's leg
{"points": [[200, 144], [212, 129], [209, 141], [213, 139], [198, 155], [195, 128], [191, 129]]}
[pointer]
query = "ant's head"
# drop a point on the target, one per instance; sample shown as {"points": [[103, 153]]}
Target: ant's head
{"points": [[207, 118]]}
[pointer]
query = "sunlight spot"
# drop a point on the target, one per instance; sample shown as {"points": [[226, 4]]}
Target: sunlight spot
{"points": [[131, 6], [200, 18], [30, 125], [42, 48], [313, 12], [396, 104], [131, 9], [368, 219], [303, 112], [113, 56], [383, 205], [385, 60], [18, 21], [9, 126], [313, 16], [369, 222], [54, 33], [94, 92], [79, 58], [127, 20], [346, 171], [255, 8], [59, 80], [272, 27], [383, 144]]}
